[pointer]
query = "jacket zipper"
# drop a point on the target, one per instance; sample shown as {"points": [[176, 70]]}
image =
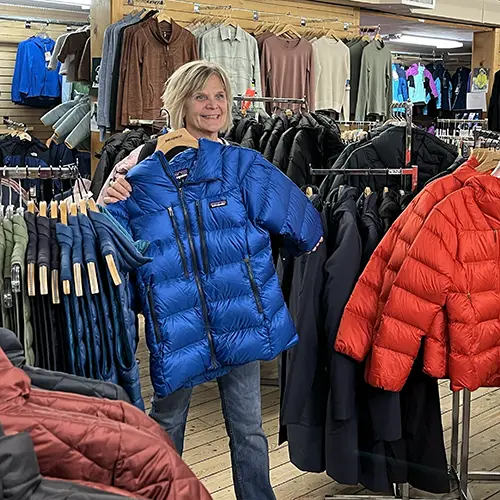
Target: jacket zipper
{"points": [[154, 318], [253, 283], [179, 242], [204, 250], [196, 272]]}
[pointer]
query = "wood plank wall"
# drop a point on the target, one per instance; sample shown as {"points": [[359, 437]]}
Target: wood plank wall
{"points": [[11, 33], [242, 12]]}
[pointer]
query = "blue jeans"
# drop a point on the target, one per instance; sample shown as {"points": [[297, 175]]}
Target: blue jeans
{"points": [[241, 406]]}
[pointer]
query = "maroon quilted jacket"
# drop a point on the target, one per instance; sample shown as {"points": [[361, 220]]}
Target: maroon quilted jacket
{"points": [[92, 440]]}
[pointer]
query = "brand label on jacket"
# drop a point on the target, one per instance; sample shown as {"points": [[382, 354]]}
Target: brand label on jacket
{"points": [[218, 204]]}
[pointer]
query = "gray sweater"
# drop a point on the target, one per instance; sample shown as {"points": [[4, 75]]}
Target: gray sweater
{"points": [[375, 82]]}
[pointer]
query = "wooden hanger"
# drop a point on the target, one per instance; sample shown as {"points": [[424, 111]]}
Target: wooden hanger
{"points": [[488, 159], [110, 261], [91, 269], [289, 30], [54, 275], [77, 268], [175, 139], [43, 271]]}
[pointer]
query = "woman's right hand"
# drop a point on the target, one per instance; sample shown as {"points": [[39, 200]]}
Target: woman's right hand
{"points": [[119, 189]]}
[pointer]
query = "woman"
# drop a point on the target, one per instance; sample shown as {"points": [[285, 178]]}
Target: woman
{"points": [[219, 204]]}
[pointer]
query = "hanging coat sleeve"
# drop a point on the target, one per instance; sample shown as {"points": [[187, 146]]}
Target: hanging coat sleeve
{"points": [[77, 270], [55, 272], [94, 285], [63, 208], [43, 270]]}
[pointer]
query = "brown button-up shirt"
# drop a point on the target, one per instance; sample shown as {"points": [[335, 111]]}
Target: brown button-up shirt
{"points": [[154, 52]]}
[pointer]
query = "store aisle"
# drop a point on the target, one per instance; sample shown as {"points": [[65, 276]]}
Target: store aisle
{"points": [[207, 449]]}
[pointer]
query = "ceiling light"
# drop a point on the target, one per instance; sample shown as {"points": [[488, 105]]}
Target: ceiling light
{"points": [[439, 43]]}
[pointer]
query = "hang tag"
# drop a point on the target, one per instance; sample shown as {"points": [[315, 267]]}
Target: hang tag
{"points": [[181, 174], [48, 56]]}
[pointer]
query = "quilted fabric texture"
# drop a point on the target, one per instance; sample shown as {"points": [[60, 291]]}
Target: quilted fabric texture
{"points": [[210, 295], [453, 269], [91, 440], [363, 311]]}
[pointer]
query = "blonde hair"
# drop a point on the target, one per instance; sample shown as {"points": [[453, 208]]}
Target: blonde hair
{"points": [[187, 81]]}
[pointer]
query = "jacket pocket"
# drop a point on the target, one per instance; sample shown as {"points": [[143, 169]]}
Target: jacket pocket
{"points": [[204, 248], [253, 283], [179, 242], [154, 319]]}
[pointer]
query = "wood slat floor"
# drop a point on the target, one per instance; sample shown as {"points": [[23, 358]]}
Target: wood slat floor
{"points": [[206, 448]]}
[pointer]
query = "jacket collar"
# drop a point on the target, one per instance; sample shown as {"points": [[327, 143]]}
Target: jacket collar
{"points": [[227, 32], [467, 170], [487, 194], [203, 164]]}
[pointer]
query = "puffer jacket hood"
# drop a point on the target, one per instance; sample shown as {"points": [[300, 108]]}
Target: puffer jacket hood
{"points": [[444, 294], [86, 439], [210, 295]]}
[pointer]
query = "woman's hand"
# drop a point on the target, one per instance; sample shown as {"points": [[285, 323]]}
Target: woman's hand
{"points": [[119, 189]]}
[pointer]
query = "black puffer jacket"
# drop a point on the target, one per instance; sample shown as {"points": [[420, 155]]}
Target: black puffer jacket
{"points": [[246, 132], [281, 157], [109, 153], [56, 381], [387, 150], [317, 144], [20, 477], [282, 124]]}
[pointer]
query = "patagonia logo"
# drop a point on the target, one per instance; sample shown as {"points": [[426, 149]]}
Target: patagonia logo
{"points": [[181, 174], [218, 204]]}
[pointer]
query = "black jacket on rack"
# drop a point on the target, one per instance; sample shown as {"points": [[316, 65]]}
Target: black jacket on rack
{"points": [[494, 107], [385, 150], [316, 144], [246, 132]]}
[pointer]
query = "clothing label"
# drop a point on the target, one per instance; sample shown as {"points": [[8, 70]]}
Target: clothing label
{"points": [[218, 204], [48, 56], [181, 174]]}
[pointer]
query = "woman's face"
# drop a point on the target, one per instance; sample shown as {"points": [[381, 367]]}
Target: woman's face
{"points": [[206, 110]]}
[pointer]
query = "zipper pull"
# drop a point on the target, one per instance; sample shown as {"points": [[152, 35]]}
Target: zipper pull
{"points": [[170, 211]]}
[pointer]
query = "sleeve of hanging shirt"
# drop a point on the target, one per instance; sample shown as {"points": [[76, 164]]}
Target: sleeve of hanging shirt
{"points": [[103, 76], [388, 82], [133, 105], [311, 84], [18, 78], [54, 60], [432, 83], [364, 88]]}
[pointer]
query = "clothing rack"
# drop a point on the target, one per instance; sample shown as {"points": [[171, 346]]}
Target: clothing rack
{"points": [[289, 100], [30, 20], [408, 170], [65, 172]]}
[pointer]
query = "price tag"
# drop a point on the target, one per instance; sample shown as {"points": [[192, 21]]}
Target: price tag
{"points": [[48, 56]]}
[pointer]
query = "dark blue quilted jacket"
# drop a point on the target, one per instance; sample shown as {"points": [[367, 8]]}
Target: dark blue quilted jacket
{"points": [[210, 295]]}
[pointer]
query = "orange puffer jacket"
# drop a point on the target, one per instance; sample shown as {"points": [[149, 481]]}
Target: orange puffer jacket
{"points": [[92, 440], [453, 267], [363, 311]]}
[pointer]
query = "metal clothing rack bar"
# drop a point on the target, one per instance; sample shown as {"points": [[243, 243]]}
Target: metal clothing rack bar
{"points": [[290, 100], [461, 120], [4, 17], [65, 172]]}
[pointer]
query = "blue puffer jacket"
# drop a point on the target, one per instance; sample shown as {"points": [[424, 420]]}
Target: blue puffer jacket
{"points": [[211, 297]]}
